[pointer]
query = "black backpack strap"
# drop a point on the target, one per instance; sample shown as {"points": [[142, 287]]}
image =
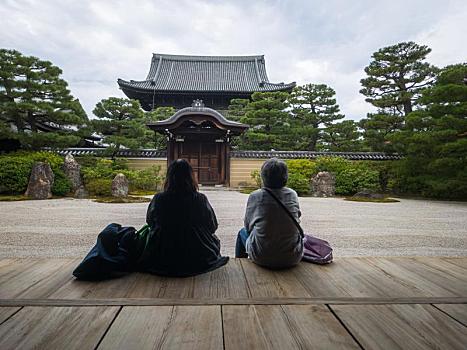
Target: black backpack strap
{"points": [[282, 205]]}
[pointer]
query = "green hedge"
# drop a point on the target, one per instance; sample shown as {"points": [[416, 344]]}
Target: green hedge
{"points": [[15, 169], [94, 169], [351, 176], [99, 187], [300, 173]]}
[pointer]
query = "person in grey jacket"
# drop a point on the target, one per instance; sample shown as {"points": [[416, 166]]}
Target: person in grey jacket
{"points": [[270, 238]]}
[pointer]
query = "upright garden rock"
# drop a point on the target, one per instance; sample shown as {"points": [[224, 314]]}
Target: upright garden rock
{"points": [[323, 184], [72, 170], [40, 181], [120, 186]]}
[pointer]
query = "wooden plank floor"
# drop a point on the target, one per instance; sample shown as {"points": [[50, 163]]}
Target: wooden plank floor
{"points": [[354, 303]]}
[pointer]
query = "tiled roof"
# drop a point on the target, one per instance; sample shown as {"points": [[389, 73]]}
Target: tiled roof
{"points": [[142, 153], [313, 155], [151, 153], [197, 110], [174, 73]]}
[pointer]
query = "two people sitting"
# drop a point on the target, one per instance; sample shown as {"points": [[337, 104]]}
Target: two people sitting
{"points": [[183, 224], [179, 238]]}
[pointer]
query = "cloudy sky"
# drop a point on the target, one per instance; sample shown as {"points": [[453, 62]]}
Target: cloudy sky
{"points": [[317, 41]]}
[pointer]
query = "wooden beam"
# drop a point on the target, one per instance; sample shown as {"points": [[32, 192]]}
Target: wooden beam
{"points": [[230, 301]]}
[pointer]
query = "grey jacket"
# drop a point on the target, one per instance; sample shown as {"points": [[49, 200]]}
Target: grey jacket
{"points": [[274, 240]]}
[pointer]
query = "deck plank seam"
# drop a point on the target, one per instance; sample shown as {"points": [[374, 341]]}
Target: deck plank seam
{"points": [[222, 326], [448, 314], [246, 280], [296, 336], [108, 328], [345, 326], [14, 313]]}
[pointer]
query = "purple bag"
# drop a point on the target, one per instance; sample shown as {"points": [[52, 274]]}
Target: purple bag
{"points": [[315, 250]]}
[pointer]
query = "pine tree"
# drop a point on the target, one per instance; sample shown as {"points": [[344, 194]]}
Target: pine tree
{"points": [[121, 122], [237, 108], [33, 99], [156, 140], [313, 106], [341, 137], [434, 139], [396, 77], [268, 120], [378, 129]]}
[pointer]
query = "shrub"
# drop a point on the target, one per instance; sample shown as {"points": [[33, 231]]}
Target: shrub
{"points": [[87, 161], [351, 176], [102, 169], [15, 169], [55, 160], [62, 185], [256, 176], [99, 187], [14, 174], [303, 167], [300, 173], [148, 179], [299, 183]]}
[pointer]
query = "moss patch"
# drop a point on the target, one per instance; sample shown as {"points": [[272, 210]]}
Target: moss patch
{"points": [[371, 200], [130, 199], [13, 197], [247, 190], [142, 193]]}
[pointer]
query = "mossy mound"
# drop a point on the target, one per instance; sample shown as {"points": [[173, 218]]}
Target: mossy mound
{"points": [[13, 197], [129, 199], [247, 190], [142, 193], [371, 200]]}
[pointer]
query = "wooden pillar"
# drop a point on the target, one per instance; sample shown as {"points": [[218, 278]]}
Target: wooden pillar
{"points": [[222, 162], [227, 164]]}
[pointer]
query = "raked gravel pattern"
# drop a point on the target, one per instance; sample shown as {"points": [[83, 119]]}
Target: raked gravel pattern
{"points": [[68, 227]]}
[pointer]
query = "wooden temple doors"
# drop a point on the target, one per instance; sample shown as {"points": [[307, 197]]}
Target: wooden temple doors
{"points": [[201, 136], [206, 158]]}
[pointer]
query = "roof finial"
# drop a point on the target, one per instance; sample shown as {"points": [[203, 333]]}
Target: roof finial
{"points": [[197, 103]]}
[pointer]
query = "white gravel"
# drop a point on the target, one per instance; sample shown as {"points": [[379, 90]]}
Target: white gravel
{"points": [[68, 227]]}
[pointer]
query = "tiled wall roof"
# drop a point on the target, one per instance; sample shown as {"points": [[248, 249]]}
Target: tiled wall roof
{"points": [[151, 153], [313, 155]]}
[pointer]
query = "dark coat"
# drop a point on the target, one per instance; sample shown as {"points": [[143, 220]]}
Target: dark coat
{"points": [[182, 240]]}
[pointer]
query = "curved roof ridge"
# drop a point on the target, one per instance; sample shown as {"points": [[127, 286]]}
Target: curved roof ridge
{"points": [[198, 110], [207, 58]]}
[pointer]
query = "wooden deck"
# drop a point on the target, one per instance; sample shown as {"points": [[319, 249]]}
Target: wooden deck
{"points": [[354, 303]]}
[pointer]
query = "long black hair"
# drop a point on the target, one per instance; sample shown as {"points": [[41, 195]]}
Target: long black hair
{"points": [[180, 177]]}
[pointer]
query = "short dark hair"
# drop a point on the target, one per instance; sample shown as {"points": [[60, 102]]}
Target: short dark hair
{"points": [[180, 177], [274, 173]]}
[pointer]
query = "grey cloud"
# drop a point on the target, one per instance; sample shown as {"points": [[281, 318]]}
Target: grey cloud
{"points": [[96, 42]]}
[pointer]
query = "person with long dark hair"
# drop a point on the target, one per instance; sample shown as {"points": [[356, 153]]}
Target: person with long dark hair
{"points": [[182, 240]]}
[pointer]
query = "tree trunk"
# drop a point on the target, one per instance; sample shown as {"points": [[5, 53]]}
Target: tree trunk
{"points": [[32, 122], [407, 107], [314, 138]]}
